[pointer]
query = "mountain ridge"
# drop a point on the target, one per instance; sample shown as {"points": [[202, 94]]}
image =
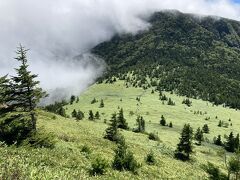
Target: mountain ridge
{"points": [[199, 58]]}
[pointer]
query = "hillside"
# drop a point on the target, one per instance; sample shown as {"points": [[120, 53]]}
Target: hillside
{"points": [[66, 161], [195, 56]]}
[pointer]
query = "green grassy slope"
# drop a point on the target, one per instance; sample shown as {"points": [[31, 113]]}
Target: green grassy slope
{"points": [[66, 161]]}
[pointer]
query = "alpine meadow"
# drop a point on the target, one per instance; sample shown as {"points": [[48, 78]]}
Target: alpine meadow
{"points": [[162, 102]]}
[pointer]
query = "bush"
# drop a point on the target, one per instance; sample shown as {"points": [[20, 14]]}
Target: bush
{"points": [[15, 128], [40, 139], [150, 158], [98, 166], [214, 172], [86, 150], [124, 160], [153, 137]]}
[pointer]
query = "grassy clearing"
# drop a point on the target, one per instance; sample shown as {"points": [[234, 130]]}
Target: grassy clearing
{"points": [[66, 161]]}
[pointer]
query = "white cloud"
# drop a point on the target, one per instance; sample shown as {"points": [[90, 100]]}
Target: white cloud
{"points": [[57, 30]]}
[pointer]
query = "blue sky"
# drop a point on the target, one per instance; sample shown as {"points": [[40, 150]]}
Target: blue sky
{"points": [[237, 1]]}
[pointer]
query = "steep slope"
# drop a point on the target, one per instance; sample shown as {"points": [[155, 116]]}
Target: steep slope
{"points": [[197, 57]]}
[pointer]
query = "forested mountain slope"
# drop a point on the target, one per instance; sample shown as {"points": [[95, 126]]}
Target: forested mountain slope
{"points": [[193, 56]]}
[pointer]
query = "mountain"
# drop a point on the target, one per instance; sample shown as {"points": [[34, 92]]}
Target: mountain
{"points": [[191, 55]]}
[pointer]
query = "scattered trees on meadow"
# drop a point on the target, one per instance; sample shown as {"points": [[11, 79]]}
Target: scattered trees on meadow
{"points": [[140, 125], [163, 121], [112, 130]]}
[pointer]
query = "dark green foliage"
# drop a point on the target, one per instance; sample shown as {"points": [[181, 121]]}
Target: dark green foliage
{"points": [[184, 147], [61, 112], [150, 158], [80, 115], [91, 116], [193, 58], [101, 104], [98, 166], [163, 121], [124, 159], [218, 140], [199, 136], [77, 100], [232, 143], [187, 102], [170, 102], [112, 131], [74, 113], [214, 172], [97, 115], [40, 139], [122, 123], [153, 136], [72, 99], [15, 128], [93, 101], [170, 125], [25, 91], [86, 150], [140, 125], [55, 108], [205, 129], [234, 166], [220, 123]]}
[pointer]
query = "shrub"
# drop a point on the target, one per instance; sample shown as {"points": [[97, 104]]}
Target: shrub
{"points": [[214, 172], [124, 159], [150, 158], [40, 139], [153, 137], [86, 150], [15, 128], [98, 166]]}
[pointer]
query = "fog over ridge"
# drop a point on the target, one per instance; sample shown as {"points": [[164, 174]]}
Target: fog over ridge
{"points": [[56, 31]]}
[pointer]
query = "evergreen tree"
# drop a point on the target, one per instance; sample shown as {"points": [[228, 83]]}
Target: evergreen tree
{"points": [[220, 123], [77, 100], [124, 159], [140, 124], [230, 144], [93, 101], [5, 93], [205, 128], [170, 125], [218, 140], [97, 115], [234, 166], [74, 113], [184, 147], [237, 142], [26, 91], [163, 121], [112, 130], [62, 112], [80, 115], [91, 116], [121, 120], [199, 136], [101, 104], [72, 99]]}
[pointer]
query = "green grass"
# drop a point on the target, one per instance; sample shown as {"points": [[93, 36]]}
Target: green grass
{"points": [[66, 161]]}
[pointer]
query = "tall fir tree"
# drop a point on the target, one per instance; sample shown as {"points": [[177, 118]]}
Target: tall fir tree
{"points": [[184, 147], [112, 130], [230, 143], [140, 124], [27, 93], [122, 123], [199, 136], [163, 121]]}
